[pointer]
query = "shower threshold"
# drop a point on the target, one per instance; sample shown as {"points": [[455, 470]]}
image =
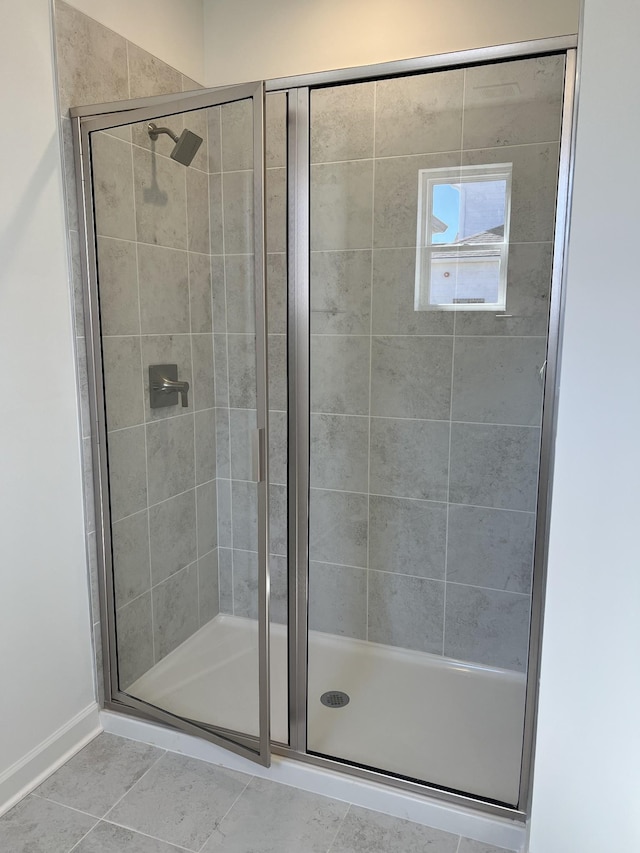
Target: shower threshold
{"points": [[449, 723]]}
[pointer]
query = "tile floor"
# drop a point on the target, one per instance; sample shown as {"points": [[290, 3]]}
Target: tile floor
{"points": [[120, 796]]}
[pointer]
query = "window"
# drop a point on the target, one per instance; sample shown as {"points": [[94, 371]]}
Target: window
{"points": [[463, 238]]}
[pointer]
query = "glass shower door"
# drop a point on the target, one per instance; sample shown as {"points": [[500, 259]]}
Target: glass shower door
{"points": [[432, 224], [175, 225]]}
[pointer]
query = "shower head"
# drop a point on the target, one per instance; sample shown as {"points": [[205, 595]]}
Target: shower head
{"points": [[186, 145]]}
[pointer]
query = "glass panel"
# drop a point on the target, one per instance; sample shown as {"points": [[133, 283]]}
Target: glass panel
{"points": [[425, 424], [174, 217]]}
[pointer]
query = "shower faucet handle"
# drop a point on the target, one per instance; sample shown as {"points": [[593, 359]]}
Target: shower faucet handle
{"points": [[164, 386]]}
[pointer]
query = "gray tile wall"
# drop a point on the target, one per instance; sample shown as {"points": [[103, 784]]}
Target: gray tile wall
{"points": [[152, 220], [425, 426], [234, 346]]}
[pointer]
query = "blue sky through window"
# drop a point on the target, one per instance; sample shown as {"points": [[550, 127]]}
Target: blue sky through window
{"points": [[446, 206]]}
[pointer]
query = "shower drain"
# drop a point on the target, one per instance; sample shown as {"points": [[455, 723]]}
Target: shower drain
{"points": [[335, 699]]}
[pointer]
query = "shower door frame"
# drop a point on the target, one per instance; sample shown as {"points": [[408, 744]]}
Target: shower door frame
{"points": [[297, 89], [299, 336], [94, 118]]}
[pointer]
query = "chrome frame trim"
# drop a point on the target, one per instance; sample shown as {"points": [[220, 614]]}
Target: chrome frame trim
{"points": [[115, 699], [549, 422], [262, 422], [299, 409], [441, 61]]}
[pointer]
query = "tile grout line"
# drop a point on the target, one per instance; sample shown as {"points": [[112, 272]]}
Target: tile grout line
{"points": [[55, 802], [128, 791], [340, 825], [80, 840], [218, 822], [146, 835]]}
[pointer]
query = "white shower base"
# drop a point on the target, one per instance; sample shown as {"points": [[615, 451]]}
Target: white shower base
{"points": [[444, 722]]}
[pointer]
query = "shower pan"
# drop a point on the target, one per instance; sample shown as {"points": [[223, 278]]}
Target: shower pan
{"points": [[323, 337]]}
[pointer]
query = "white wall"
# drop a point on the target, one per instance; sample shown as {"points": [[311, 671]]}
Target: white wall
{"points": [[253, 40], [170, 29], [45, 659], [587, 778]]}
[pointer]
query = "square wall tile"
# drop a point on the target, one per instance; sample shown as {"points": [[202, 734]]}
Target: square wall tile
{"points": [[242, 424], [340, 374], [411, 377], [206, 499], [172, 531], [170, 457], [340, 452], [149, 75], [338, 600], [245, 515], [276, 128], [340, 292], [278, 447], [205, 423], [393, 305], [341, 205], [238, 212], [278, 530], [421, 114], [216, 219], [342, 122], [533, 187], [276, 203], [491, 547], [237, 135], [208, 587], [127, 472], [396, 197], [112, 187], [160, 200], [407, 536], [200, 293], [122, 370], [528, 287], [495, 466], [203, 388], [92, 60], [406, 612], [338, 528], [240, 288], [277, 360], [525, 107], [131, 567], [242, 371], [134, 626], [214, 135], [164, 290], [498, 380], [277, 293], [409, 458], [175, 610], [225, 579], [198, 211], [118, 285], [487, 626]]}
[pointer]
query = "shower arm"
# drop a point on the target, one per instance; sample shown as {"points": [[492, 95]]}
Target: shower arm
{"points": [[155, 131]]}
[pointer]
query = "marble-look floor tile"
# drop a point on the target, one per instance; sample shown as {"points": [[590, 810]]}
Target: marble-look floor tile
{"points": [[39, 826], [275, 818], [180, 800], [94, 779]]}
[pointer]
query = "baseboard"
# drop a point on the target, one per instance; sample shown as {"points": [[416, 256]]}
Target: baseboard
{"points": [[488, 830], [25, 775]]}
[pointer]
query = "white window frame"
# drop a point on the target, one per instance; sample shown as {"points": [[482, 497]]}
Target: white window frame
{"points": [[426, 250]]}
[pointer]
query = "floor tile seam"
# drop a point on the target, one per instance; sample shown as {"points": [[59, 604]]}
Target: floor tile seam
{"points": [[131, 787], [340, 825], [219, 822], [63, 805], [80, 840], [147, 835]]}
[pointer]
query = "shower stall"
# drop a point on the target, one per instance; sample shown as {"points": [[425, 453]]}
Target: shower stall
{"points": [[323, 333]]}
